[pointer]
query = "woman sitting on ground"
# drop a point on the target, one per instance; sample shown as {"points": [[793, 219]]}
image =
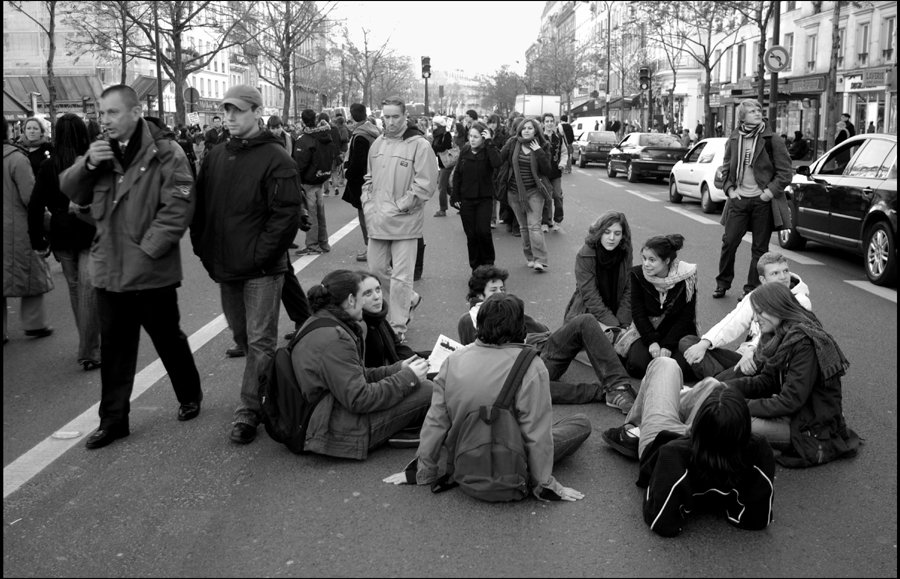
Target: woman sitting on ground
{"points": [[383, 346], [361, 407]]}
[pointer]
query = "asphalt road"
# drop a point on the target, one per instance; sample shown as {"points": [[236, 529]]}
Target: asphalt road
{"points": [[180, 499]]}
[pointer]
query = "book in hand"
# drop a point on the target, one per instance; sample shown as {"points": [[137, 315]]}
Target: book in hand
{"points": [[441, 351]]}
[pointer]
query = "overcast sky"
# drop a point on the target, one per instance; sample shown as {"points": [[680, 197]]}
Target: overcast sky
{"points": [[478, 37]]}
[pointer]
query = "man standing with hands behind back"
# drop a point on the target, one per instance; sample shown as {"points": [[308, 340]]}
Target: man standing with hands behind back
{"points": [[138, 185]]}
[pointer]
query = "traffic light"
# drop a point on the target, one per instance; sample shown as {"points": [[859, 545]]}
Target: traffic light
{"points": [[644, 73], [426, 67]]}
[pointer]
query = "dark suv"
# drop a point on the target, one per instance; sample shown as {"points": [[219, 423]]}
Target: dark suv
{"points": [[848, 199]]}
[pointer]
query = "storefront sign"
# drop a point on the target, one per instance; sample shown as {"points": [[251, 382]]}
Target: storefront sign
{"points": [[801, 85], [872, 78], [745, 83], [715, 100], [725, 94]]}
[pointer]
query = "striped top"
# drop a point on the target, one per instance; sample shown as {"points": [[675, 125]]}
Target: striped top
{"points": [[525, 172]]}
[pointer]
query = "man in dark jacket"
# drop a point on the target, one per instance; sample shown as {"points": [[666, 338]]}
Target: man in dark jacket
{"points": [[442, 141], [364, 133], [214, 135], [314, 136], [850, 126], [248, 197], [335, 132], [139, 188], [559, 160], [569, 136]]}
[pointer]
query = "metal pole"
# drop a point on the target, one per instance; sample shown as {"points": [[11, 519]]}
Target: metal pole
{"points": [[426, 96], [608, 22], [773, 91], [159, 83]]}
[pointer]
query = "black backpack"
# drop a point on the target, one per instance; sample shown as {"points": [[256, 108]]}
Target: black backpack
{"points": [[319, 169], [286, 411]]}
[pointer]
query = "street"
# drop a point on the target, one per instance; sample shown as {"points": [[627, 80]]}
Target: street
{"points": [[179, 499]]}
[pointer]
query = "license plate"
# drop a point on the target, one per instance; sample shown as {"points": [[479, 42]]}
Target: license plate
{"points": [[663, 167]]}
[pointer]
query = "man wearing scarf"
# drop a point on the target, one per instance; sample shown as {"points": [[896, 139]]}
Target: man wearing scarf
{"points": [[364, 134], [759, 168]]}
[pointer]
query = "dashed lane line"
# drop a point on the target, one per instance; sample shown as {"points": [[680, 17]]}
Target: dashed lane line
{"points": [[882, 292], [613, 183], [642, 196], [25, 467], [693, 216]]}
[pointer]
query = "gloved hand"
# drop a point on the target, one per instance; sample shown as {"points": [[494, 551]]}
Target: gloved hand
{"points": [[305, 223]]}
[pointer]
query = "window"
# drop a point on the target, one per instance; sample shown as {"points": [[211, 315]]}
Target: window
{"points": [[812, 46], [717, 71], [209, 87], [741, 56], [754, 58], [217, 89], [888, 30], [216, 65], [876, 157], [842, 49], [789, 45], [729, 65], [862, 43], [694, 155], [838, 160]]}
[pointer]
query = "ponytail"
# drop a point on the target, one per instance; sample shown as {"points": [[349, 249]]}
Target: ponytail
{"points": [[334, 289], [665, 247]]}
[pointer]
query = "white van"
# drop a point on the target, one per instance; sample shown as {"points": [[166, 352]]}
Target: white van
{"points": [[587, 124]]}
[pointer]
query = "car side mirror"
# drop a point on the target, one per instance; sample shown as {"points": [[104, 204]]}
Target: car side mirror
{"points": [[803, 170]]}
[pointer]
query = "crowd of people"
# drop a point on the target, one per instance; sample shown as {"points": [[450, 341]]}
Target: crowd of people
{"points": [[700, 418]]}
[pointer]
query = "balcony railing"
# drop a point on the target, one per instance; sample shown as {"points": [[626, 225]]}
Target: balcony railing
{"points": [[810, 65], [887, 53], [863, 56]]}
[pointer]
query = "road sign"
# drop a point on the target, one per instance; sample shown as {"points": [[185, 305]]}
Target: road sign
{"points": [[191, 95], [777, 58]]}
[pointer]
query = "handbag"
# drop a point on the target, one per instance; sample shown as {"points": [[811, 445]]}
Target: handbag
{"points": [[450, 157]]}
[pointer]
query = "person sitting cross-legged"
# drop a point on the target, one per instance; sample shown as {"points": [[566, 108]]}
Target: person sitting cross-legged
{"points": [[558, 348], [472, 377]]}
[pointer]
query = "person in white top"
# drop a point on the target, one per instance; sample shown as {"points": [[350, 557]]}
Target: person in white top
{"points": [[708, 356]]}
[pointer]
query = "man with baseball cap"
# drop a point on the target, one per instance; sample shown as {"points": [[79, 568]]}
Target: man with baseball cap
{"points": [[249, 206]]}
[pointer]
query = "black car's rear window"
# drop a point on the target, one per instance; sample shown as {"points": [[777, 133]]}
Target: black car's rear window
{"points": [[601, 137], [660, 140]]}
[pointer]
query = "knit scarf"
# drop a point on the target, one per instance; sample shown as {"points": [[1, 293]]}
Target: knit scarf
{"points": [[678, 271], [746, 131], [520, 186], [832, 362], [380, 330]]}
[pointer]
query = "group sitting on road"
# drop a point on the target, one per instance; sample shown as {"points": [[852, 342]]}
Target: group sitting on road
{"points": [[119, 207]]}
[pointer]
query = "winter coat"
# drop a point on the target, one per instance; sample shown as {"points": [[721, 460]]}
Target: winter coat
{"points": [[586, 298], [770, 174], [383, 345], [39, 155], [357, 161], [680, 315], [329, 362], [559, 155], [535, 332], [141, 213], [248, 195], [441, 141], [25, 273], [505, 173], [568, 132], [320, 136], [402, 176], [472, 177], [68, 231]]}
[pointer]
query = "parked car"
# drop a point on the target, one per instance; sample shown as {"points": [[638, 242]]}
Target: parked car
{"points": [[848, 199], [694, 175], [593, 147], [645, 155]]}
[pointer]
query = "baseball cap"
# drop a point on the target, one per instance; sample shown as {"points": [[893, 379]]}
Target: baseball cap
{"points": [[243, 96]]}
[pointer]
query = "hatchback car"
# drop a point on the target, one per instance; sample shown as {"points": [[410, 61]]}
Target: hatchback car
{"points": [[645, 155], [848, 199], [593, 147], [694, 176]]}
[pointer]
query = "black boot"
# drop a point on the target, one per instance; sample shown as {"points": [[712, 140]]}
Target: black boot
{"points": [[420, 260]]}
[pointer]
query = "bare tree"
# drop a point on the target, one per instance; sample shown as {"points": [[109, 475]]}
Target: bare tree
{"points": [[759, 12], [54, 9], [499, 90], [365, 62], [662, 36], [104, 29], [285, 27], [560, 66], [395, 77]]}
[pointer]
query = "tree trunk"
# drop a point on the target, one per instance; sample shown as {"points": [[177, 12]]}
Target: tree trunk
{"points": [[760, 63], [286, 79], [707, 110], [831, 114], [51, 78], [123, 76]]}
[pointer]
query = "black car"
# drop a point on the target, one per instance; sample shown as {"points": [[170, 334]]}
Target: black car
{"points": [[645, 155], [848, 199], [593, 147]]}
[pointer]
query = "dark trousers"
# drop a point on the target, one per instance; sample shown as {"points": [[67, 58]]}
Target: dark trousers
{"points": [[745, 214], [639, 358], [294, 298], [121, 317], [568, 435], [362, 224], [444, 187], [714, 362], [476, 221]]}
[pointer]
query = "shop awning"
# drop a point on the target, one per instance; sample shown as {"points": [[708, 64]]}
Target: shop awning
{"points": [[13, 108], [69, 88], [146, 86]]}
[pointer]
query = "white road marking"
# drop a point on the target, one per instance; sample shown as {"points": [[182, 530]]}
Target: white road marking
{"points": [[882, 292], [25, 467], [690, 215], [613, 183], [582, 171], [642, 196], [801, 259]]}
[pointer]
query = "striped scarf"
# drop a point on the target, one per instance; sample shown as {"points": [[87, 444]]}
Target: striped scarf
{"points": [[746, 131]]}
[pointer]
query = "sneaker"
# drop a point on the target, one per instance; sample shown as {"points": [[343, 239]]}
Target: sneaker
{"points": [[441, 213], [539, 267], [621, 440], [529, 263], [544, 228], [362, 256], [408, 438], [620, 398], [235, 352], [293, 246], [556, 227]]}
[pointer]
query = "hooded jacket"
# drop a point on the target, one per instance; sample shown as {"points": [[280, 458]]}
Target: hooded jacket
{"points": [[248, 195], [586, 298], [320, 136], [141, 213], [23, 272], [357, 161], [402, 176]]}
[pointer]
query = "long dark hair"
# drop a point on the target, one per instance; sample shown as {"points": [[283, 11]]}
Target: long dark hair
{"points": [[70, 141], [538, 130], [778, 301], [595, 231], [719, 434]]}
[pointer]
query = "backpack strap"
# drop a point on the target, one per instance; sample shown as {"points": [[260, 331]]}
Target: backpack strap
{"points": [[511, 386], [313, 325]]}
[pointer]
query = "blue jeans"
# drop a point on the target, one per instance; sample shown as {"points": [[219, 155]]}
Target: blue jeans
{"points": [[83, 297], [251, 307], [411, 411], [529, 217], [553, 212], [745, 214], [716, 360], [317, 236], [583, 332], [568, 434]]}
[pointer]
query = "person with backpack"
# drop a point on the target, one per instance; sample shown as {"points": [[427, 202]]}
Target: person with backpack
{"points": [[469, 382], [331, 184], [364, 134], [314, 155], [442, 144], [759, 169], [343, 143], [358, 408], [473, 193]]}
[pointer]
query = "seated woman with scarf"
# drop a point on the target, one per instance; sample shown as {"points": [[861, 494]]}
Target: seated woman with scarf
{"points": [[663, 307]]}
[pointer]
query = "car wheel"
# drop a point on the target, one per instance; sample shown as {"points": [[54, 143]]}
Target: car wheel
{"points": [[610, 172], [581, 162], [791, 238], [632, 178], [674, 195], [706, 202], [881, 255]]}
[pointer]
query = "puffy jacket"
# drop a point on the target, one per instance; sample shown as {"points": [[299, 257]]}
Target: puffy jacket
{"points": [[681, 315], [472, 177], [329, 361], [402, 176], [586, 298], [141, 213], [248, 195], [23, 272], [320, 136]]}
